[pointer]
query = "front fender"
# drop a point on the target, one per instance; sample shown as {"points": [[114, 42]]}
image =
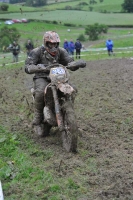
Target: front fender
{"points": [[65, 88]]}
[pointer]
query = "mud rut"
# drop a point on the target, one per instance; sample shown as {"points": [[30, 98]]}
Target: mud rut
{"points": [[104, 109]]}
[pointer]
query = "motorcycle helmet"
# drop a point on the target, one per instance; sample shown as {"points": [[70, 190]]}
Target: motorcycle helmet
{"points": [[51, 42]]}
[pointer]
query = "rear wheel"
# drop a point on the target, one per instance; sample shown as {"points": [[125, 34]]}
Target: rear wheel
{"points": [[70, 134]]}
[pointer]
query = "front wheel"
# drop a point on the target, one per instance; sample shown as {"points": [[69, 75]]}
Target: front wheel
{"points": [[70, 134]]}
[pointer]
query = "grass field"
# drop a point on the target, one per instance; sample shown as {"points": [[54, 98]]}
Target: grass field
{"points": [[91, 54], [106, 5], [75, 17], [51, 12], [109, 6], [35, 30]]}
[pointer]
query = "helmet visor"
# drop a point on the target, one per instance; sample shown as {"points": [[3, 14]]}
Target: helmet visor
{"points": [[52, 45]]}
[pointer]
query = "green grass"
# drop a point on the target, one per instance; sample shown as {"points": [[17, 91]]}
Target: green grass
{"points": [[16, 8], [120, 38], [25, 171], [88, 55], [75, 17], [119, 42], [102, 55], [109, 6], [35, 31], [52, 13]]}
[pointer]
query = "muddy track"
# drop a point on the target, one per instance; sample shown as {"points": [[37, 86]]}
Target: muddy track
{"points": [[104, 109]]}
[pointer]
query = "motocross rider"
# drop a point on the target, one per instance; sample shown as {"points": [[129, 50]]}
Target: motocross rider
{"points": [[37, 63]]}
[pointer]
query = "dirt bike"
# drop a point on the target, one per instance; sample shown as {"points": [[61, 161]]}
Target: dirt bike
{"points": [[59, 101], [58, 110]]}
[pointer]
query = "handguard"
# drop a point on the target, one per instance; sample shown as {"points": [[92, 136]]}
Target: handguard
{"points": [[37, 68], [73, 66]]}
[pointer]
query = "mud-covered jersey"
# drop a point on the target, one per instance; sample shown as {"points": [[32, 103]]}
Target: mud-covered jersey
{"points": [[41, 56]]}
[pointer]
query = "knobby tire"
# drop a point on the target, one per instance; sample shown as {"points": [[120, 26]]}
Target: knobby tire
{"points": [[70, 134]]}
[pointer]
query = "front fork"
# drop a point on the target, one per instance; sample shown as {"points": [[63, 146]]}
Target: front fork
{"points": [[58, 114]]}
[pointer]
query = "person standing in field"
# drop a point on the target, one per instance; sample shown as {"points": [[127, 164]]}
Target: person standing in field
{"points": [[29, 46], [109, 45], [65, 45], [71, 47], [78, 47], [4, 49], [15, 49]]}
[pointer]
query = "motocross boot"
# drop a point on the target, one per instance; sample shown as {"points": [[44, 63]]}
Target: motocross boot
{"points": [[42, 130], [38, 112], [38, 130], [38, 117], [46, 129], [37, 122]]}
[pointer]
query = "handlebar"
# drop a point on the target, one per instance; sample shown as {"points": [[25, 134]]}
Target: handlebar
{"points": [[73, 66]]}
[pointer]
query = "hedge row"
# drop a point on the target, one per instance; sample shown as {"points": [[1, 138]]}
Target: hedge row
{"points": [[71, 25]]}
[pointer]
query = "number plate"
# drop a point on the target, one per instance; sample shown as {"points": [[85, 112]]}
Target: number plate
{"points": [[58, 70]]}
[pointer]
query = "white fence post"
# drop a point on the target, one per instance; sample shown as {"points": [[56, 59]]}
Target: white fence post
{"points": [[1, 192]]}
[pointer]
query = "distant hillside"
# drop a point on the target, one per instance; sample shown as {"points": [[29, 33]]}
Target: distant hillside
{"points": [[56, 1], [107, 6], [74, 17]]}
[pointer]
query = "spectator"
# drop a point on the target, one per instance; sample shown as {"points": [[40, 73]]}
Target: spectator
{"points": [[15, 49], [71, 47], [78, 47], [4, 49], [109, 45], [29, 46], [65, 45]]}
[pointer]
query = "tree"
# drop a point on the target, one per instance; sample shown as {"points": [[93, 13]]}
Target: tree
{"points": [[4, 7], [128, 6], [16, 1], [95, 30], [4, 42], [8, 34], [81, 37], [103, 28], [92, 2]]}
